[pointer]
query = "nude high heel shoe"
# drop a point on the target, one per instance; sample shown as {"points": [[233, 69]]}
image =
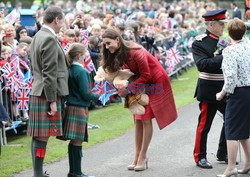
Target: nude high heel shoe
{"points": [[131, 167], [234, 172], [244, 171], [142, 167]]}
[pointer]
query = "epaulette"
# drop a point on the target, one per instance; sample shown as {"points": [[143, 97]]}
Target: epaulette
{"points": [[200, 37]]}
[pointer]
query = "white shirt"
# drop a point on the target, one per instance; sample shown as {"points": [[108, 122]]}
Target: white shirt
{"points": [[77, 63], [45, 26], [236, 66]]}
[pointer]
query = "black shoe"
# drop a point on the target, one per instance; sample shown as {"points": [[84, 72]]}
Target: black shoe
{"points": [[24, 119], [203, 163], [45, 174], [225, 159], [82, 175]]}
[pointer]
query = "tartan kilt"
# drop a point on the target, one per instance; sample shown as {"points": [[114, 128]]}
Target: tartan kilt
{"points": [[40, 123], [75, 123]]}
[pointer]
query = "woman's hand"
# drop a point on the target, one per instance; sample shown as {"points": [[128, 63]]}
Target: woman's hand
{"points": [[220, 95]]}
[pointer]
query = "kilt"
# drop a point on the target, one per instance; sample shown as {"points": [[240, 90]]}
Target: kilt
{"points": [[40, 123], [75, 123], [237, 116]]}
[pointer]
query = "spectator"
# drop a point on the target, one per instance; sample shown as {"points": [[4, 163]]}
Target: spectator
{"points": [[69, 37], [21, 32], [236, 10], [26, 39]]}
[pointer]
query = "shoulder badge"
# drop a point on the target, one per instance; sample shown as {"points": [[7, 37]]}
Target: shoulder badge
{"points": [[200, 37]]}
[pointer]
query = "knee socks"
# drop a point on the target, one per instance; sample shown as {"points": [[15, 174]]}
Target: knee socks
{"points": [[75, 159], [71, 158], [38, 149]]}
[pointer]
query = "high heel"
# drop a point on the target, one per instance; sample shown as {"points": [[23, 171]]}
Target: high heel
{"points": [[244, 171], [142, 167], [131, 167], [234, 172]]}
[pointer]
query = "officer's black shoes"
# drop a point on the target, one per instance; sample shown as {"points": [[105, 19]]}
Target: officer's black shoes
{"points": [[225, 160], [203, 163]]}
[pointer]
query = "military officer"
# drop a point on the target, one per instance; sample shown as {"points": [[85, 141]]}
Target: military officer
{"points": [[210, 81]]}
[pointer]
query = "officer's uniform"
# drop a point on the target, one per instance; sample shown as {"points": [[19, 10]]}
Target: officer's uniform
{"points": [[209, 83]]}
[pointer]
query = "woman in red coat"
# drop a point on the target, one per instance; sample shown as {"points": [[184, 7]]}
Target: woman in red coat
{"points": [[118, 53]]}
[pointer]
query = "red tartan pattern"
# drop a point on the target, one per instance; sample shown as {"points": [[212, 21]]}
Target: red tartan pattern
{"points": [[40, 123], [75, 123]]}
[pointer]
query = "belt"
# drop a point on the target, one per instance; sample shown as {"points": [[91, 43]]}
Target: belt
{"points": [[212, 77]]}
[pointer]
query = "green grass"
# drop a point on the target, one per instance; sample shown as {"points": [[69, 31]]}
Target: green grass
{"points": [[114, 120]]}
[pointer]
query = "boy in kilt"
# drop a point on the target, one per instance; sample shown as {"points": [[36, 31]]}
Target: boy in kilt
{"points": [[75, 122], [49, 86]]}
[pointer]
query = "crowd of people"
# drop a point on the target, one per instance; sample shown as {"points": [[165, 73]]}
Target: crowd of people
{"points": [[157, 27], [133, 35]]}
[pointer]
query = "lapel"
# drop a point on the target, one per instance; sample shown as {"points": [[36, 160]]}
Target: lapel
{"points": [[48, 31]]}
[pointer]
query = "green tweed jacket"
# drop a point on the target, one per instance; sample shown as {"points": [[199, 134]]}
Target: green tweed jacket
{"points": [[48, 66]]}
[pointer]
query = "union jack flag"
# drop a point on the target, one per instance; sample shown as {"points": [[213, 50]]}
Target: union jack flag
{"points": [[66, 48], [173, 54], [104, 89], [170, 65], [88, 64], [84, 37], [98, 88], [8, 71], [23, 98]]}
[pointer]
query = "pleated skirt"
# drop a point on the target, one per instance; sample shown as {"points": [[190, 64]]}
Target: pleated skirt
{"points": [[75, 123]]}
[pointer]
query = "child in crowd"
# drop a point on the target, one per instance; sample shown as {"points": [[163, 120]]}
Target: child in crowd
{"points": [[69, 37], [75, 122], [24, 64], [5, 54], [78, 36], [96, 30], [121, 28], [94, 51], [22, 51], [26, 39]]}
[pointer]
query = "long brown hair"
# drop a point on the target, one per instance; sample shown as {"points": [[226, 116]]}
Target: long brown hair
{"points": [[113, 61]]}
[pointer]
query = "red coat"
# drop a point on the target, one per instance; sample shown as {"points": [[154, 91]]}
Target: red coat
{"points": [[151, 72]]}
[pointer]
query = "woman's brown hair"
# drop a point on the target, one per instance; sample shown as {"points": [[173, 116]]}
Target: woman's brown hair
{"points": [[74, 50], [113, 61], [236, 29]]}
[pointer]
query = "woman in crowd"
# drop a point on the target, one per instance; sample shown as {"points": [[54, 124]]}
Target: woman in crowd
{"points": [[21, 32], [75, 123], [118, 53], [236, 70]]}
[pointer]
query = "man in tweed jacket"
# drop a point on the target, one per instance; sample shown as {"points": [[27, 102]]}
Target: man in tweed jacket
{"points": [[50, 85]]}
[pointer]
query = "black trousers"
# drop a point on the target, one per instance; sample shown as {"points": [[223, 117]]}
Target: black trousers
{"points": [[206, 117]]}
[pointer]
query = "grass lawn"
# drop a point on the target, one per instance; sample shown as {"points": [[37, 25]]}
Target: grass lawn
{"points": [[114, 120]]}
